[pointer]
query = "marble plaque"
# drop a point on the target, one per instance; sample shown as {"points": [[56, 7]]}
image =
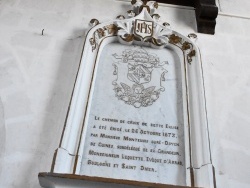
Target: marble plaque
{"points": [[134, 125]]}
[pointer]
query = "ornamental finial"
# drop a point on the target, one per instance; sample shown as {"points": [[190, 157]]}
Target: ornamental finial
{"points": [[151, 6]]}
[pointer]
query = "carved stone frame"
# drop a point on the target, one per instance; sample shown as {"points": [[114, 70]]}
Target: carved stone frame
{"points": [[65, 165]]}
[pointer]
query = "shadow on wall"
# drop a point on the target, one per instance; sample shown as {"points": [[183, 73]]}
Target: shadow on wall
{"points": [[52, 117], [186, 20], [59, 100], [2, 135]]}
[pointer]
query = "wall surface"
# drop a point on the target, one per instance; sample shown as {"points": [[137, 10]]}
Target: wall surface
{"points": [[37, 74]]}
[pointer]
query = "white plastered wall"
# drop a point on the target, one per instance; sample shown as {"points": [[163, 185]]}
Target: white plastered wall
{"points": [[37, 74]]}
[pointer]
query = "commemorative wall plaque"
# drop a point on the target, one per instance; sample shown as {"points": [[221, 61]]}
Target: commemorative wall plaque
{"points": [[137, 114]]}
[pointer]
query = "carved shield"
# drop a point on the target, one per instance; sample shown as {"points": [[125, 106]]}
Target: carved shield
{"points": [[143, 28], [139, 74], [138, 77]]}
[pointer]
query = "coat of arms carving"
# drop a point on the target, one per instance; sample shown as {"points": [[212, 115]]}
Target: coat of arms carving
{"points": [[139, 77]]}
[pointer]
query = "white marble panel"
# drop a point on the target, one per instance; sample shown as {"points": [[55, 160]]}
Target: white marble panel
{"points": [[129, 90], [48, 94]]}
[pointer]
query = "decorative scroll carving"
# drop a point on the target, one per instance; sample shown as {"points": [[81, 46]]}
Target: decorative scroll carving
{"points": [[149, 31], [144, 29], [93, 22], [187, 47], [100, 33]]}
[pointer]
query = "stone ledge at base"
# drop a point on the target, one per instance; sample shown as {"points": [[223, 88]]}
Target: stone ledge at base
{"points": [[53, 180]]}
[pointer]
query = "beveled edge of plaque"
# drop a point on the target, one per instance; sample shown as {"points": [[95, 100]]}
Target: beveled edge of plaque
{"points": [[54, 179], [66, 156]]}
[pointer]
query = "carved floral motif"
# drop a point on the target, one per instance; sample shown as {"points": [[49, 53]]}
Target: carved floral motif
{"points": [[160, 35], [100, 33], [184, 45]]}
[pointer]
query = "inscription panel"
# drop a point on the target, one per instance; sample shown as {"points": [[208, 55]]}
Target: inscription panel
{"points": [[134, 127]]}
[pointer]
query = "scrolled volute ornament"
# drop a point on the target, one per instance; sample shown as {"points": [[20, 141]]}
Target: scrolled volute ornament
{"points": [[120, 17], [156, 17], [125, 32], [93, 22], [160, 37], [185, 46], [131, 13], [192, 37]]}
